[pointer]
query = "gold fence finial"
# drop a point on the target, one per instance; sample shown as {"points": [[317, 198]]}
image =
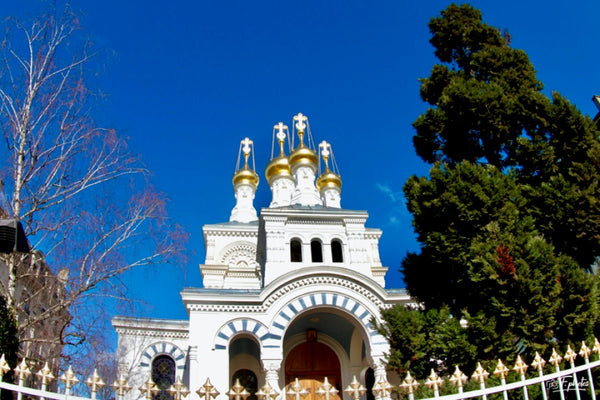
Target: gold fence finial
{"points": [[4, 367], [480, 374], [501, 370], [69, 379], [178, 389], [327, 390], [238, 392], [207, 391], [22, 370], [434, 381], [458, 378], [596, 348], [297, 391], [520, 367], [120, 385], [409, 384], [382, 388], [538, 362], [94, 382], [45, 375], [585, 351], [555, 359], [570, 355], [267, 393], [355, 389], [149, 389]]}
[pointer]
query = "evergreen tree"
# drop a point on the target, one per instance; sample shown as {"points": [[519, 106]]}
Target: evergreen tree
{"points": [[508, 219]]}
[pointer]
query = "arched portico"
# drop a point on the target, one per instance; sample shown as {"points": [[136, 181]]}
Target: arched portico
{"points": [[339, 321]]}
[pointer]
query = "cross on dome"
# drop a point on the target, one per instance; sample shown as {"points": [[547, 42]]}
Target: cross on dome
{"points": [[324, 148], [300, 118], [280, 131], [246, 142]]}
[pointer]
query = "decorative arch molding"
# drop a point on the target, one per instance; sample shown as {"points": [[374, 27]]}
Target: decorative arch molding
{"points": [[235, 252], [237, 326], [315, 300], [163, 348]]}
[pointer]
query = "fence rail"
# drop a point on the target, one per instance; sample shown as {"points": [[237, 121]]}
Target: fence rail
{"points": [[574, 381]]}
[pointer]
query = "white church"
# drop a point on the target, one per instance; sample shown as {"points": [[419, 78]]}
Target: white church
{"points": [[290, 292]]}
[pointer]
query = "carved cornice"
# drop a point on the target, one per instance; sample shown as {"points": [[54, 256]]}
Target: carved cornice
{"points": [[319, 280], [152, 333], [230, 233]]}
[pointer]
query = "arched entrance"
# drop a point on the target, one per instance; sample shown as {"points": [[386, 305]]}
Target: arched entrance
{"points": [[311, 362]]}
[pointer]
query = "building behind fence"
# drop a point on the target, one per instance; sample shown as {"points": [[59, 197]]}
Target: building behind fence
{"points": [[564, 377]]}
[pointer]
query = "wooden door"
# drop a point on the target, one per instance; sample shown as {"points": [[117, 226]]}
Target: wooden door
{"points": [[311, 362]]}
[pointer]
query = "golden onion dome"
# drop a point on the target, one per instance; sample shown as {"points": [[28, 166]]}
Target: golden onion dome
{"points": [[329, 180], [245, 176], [278, 167], [303, 156]]}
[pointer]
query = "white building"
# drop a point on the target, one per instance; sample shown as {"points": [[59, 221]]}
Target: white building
{"points": [[290, 293]]}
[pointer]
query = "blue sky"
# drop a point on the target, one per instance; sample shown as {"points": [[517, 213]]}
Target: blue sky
{"points": [[187, 80]]}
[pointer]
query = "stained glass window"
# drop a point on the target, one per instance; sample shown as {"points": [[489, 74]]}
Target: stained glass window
{"points": [[163, 375]]}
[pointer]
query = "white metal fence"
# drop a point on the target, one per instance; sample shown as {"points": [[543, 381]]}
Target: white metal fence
{"points": [[571, 376]]}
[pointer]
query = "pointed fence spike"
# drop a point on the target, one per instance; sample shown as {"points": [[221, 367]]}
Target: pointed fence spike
{"points": [[149, 389], [69, 379], [538, 362], [267, 393], [22, 370], [355, 389], [4, 367], [501, 370], [120, 386], [178, 389], [296, 391], [434, 381], [570, 355], [480, 374], [596, 348], [327, 390], [585, 351], [45, 374], [520, 366], [94, 382], [409, 384], [458, 378], [555, 359], [207, 391], [238, 392]]}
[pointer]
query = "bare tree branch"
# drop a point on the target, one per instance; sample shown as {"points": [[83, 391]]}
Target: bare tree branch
{"points": [[83, 197]]}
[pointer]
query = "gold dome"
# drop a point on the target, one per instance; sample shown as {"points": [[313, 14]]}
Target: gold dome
{"points": [[278, 167], [245, 176], [329, 180], [303, 156]]}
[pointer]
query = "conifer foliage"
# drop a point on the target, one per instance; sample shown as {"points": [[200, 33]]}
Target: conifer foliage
{"points": [[509, 216]]}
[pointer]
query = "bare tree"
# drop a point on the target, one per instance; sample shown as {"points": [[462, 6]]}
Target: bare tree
{"points": [[83, 198]]}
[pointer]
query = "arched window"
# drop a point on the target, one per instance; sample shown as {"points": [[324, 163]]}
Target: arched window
{"points": [[336, 251], [247, 380], [316, 251], [163, 375], [295, 250]]}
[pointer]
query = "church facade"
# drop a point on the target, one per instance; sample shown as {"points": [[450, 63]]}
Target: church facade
{"points": [[290, 292]]}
